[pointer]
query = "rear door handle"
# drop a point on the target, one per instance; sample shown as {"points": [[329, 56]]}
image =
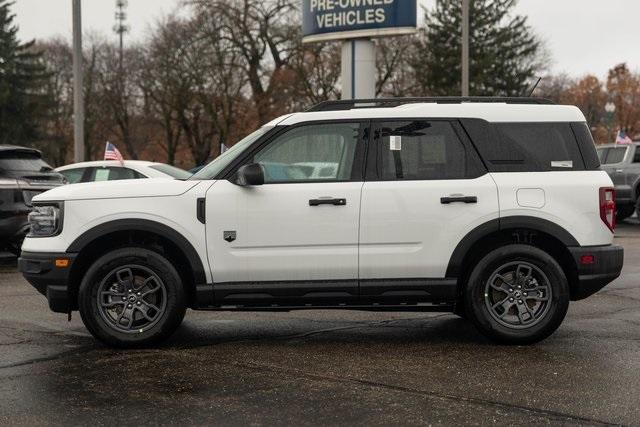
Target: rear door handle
{"points": [[328, 201], [458, 199]]}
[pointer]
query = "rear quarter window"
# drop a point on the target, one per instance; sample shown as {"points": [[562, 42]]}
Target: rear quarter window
{"points": [[531, 147]]}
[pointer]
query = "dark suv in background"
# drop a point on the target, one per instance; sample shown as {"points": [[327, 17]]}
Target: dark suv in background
{"points": [[23, 174], [622, 163]]}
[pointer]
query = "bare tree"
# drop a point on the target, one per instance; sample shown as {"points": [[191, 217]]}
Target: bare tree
{"points": [[264, 34], [316, 72], [395, 77], [119, 92]]}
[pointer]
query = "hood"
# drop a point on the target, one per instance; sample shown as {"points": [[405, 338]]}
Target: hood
{"points": [[129, 188]]}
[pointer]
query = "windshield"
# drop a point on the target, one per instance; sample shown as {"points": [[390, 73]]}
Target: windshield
{"points": [[222, 161], [24, 162], [172, 171]]}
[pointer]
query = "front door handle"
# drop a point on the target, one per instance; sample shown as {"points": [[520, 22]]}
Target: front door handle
{"points": [[328, 201], [458, 199]]}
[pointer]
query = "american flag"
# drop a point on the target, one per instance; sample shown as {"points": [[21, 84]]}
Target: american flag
{"points": [[623, 138], [112, 153]]}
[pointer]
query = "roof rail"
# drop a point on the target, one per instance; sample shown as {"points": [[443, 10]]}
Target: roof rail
{"points": [[395, 102]]}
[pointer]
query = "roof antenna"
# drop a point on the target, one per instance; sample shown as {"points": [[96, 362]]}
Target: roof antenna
{"points": [[535, 86]]}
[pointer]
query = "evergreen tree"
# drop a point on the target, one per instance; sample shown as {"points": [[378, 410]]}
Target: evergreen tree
{"points": [[22, 77], [505, 55]]}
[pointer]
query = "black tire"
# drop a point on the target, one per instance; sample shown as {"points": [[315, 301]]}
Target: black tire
{"points": [[528, 318], [157, 293], [624, 212]]}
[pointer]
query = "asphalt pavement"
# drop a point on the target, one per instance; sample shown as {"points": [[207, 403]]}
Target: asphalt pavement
{"points": [[325, 367]]}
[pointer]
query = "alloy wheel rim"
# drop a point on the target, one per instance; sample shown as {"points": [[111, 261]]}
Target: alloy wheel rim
{"points": [[131, 299], [518, 295]]}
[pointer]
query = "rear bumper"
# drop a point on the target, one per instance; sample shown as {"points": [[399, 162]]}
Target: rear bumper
{"points": [[605, 267], [40, 270]]}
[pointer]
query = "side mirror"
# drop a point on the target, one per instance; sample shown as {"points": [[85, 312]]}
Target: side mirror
{"points": [[249, 175]]}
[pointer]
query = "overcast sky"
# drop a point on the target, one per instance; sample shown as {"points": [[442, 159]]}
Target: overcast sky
{"points": [[583, 36]]}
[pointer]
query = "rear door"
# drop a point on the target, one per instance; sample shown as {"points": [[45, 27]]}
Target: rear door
{"points": [[425, 190]]}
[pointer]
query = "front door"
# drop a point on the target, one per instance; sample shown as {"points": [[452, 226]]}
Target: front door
{"points": [[293, 240]]}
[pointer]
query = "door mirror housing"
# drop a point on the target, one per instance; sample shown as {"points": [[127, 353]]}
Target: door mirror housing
{"points": [[249, 175]]}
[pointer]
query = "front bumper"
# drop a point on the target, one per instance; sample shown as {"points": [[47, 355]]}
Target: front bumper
{"points": [[597, 267], [50, 280]]}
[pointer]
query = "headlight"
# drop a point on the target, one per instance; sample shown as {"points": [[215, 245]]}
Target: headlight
{"points": [[45, 221]]}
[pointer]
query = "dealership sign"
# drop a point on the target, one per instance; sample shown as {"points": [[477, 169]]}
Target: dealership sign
{"points": [[349, 19]]}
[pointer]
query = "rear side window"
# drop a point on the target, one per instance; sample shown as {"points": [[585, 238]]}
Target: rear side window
{"points": [[73, 175], [531, 147], [615, 155], [114, 174], [543, 146], [420, 150]]}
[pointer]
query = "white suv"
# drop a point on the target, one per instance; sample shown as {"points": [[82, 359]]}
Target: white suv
{"points": [[492, 208]]}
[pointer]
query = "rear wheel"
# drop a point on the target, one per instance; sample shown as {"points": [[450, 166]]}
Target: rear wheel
{"points": [[132, 297], [517, 294]]}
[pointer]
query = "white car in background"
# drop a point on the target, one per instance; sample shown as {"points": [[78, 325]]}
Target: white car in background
{"points": [[112, 170]]}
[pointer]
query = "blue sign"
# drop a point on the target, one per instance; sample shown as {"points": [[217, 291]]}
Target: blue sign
{"points": [[347, 19]]}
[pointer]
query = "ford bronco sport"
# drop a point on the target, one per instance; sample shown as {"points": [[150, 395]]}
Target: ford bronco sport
{"points": [[493, 208]]}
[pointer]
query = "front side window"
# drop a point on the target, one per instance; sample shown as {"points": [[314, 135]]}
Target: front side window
{"points": [[420, 150], [311, 153]]}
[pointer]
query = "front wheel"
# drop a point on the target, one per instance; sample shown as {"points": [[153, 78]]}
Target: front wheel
{"points": [[517, 294], [132, 297]]}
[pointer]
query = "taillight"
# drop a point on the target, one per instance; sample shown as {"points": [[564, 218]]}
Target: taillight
{"points": [[608, 207]]}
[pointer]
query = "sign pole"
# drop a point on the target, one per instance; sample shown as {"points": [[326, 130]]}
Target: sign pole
{"points": [[78, 98], [356, 23], [465, 47], [358, 69]]}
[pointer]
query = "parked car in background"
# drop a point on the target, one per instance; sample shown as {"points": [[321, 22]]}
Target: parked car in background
{"points": [[111, 170], [23, 175], [622, 163]]}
